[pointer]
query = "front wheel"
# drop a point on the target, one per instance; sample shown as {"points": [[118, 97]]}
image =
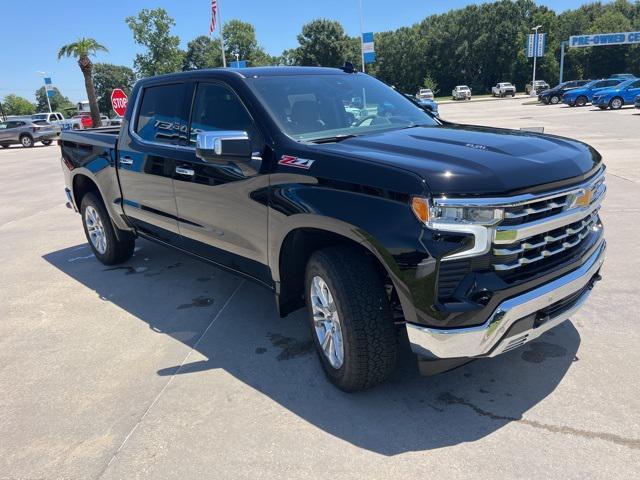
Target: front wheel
{"points": [[26, 141], [581, 101], [46, 142], [616, 103], [101, 234], [554, 100], [351, 318]]}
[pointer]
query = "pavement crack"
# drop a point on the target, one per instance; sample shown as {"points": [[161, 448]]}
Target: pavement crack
{"points": [[633, 443], [166, 385]]}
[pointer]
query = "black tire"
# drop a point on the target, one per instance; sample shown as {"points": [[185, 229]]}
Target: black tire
{"points": [[47, 142], [602, 107], [616, 103], [581, 101], [365, 317], [554, 99], [513, 94], [4, 146], [117, 251], [26, 140]]}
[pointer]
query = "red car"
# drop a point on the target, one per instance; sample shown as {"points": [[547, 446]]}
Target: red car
{"points": [[85, 118]]}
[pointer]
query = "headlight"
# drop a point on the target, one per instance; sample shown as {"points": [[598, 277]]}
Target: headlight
{"points": [[429, 214], [476, 221]]}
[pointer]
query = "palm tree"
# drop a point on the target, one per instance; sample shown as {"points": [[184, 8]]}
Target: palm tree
{"points": [[81, 49]]}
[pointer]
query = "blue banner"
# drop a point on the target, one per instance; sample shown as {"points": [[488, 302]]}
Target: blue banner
{"points": [[368, 49], [599, 39], [536, 45]]}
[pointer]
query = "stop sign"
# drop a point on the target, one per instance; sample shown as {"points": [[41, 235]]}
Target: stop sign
{"points": [[119, 102]]}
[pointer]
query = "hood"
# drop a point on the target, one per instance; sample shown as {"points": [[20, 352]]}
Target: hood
{"points": [[470, 160]]}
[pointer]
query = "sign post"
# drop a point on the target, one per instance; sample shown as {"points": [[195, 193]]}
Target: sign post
{"points": [[119, 101], [535, 48]]}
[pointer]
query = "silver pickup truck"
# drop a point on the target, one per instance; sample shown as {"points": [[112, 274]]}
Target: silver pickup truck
{"points": [[503, 89]]}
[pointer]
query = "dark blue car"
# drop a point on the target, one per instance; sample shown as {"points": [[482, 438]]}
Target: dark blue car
{"points": [[581, 96], [618, 96]]}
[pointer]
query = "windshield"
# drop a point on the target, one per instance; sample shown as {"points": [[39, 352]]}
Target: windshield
{"points": [[314, 107]]}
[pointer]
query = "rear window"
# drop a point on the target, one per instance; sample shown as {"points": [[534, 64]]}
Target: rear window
{"points": [[161, 116]]}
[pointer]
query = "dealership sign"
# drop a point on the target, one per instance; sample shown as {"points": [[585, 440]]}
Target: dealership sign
{"points": [[600, 39], [368, 49]]}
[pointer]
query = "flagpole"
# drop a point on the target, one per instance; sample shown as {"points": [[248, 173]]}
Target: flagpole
{"points": [[361, 39], [224, 60]]}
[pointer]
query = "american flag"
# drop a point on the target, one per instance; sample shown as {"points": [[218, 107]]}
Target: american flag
{"points": [[214, 14]]}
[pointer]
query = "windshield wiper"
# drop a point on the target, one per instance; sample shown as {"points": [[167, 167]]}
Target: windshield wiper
{"points": [[334, 139]]}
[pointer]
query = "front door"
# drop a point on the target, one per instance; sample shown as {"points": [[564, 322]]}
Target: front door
{"points": [[222, 212], [147, 158]]}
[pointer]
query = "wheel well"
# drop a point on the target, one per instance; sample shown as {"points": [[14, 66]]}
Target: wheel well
{"points": [[295, 251], [25, 134], [81, 186]]}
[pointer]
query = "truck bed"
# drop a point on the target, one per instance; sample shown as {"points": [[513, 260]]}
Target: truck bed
{"points": [[105, 137]]}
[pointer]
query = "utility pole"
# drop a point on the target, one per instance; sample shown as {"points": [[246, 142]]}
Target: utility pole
{"points": [[563, 44], [535, 56]]}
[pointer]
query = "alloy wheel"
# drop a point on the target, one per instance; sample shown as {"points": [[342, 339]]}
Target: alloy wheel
{"points": [[326, 322], [96, 229]]}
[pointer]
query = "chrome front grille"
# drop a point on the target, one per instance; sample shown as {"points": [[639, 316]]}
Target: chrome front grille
{"points": [[543, 227]]}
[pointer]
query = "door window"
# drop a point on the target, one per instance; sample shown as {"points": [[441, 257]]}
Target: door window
{"points": [[217, 108], [161, 118]]}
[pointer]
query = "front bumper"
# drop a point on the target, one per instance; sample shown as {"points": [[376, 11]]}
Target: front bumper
{"points": [[515, 321]]}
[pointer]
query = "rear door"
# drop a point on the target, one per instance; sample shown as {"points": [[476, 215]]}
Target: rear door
{"points": [[148, 154], [221, 208]]}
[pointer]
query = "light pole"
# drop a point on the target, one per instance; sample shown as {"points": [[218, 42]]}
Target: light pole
{"points": [[361, 39], [563, 44], [46, 91], [535, 56]]}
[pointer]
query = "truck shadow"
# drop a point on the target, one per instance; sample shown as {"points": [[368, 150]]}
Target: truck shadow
{"points": [[275, 357]]}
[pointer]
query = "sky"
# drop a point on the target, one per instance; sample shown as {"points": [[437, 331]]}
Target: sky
{"points": [[31, 42]]}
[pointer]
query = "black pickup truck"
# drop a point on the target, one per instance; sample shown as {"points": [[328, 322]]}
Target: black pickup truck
{"points": [[332, 189]]}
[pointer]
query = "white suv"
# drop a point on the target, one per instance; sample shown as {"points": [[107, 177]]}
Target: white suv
{"points": [[461, 92]]}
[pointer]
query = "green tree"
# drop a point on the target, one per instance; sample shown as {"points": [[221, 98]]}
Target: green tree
{"points": [[82, 49], [202, 52], [59, 103], [152, 29], [323, 42], [15, 105], [240, 37], [106, 78]]}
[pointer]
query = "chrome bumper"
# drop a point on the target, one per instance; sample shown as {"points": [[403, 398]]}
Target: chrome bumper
{"points": [[488, 339]]}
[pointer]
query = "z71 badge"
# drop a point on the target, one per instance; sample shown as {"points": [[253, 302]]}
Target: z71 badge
{"points": [[290, 161]]}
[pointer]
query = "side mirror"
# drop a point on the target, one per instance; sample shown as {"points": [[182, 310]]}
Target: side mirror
{"points": [[223, 146]]}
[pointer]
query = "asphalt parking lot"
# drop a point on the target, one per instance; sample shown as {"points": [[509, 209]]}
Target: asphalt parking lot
{"points": [[165, 367]]}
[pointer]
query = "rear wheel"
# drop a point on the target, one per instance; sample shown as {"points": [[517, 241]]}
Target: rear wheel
{"points": [[351, 319], [101, 233], [616, 103], [581, 101], [26, 141], [46, 142]]}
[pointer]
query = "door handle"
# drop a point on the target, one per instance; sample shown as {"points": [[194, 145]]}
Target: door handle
{"points": [[126, 161], [189, 172]]}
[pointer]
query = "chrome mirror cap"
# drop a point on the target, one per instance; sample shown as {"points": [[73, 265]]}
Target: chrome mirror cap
{"points": [[216, 145]]}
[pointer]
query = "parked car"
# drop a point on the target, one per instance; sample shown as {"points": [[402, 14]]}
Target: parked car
{"points": [[503, 89], [115, 121], [397, 222], [85, 119], [461, 92], [425, 94], [579, 97], [541, 85], [553, 96], [626, 76], [615, 98], [637, 101], [26, 132]]}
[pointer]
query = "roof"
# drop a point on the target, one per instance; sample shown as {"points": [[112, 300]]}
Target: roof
{"points": [[251, 72]]}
